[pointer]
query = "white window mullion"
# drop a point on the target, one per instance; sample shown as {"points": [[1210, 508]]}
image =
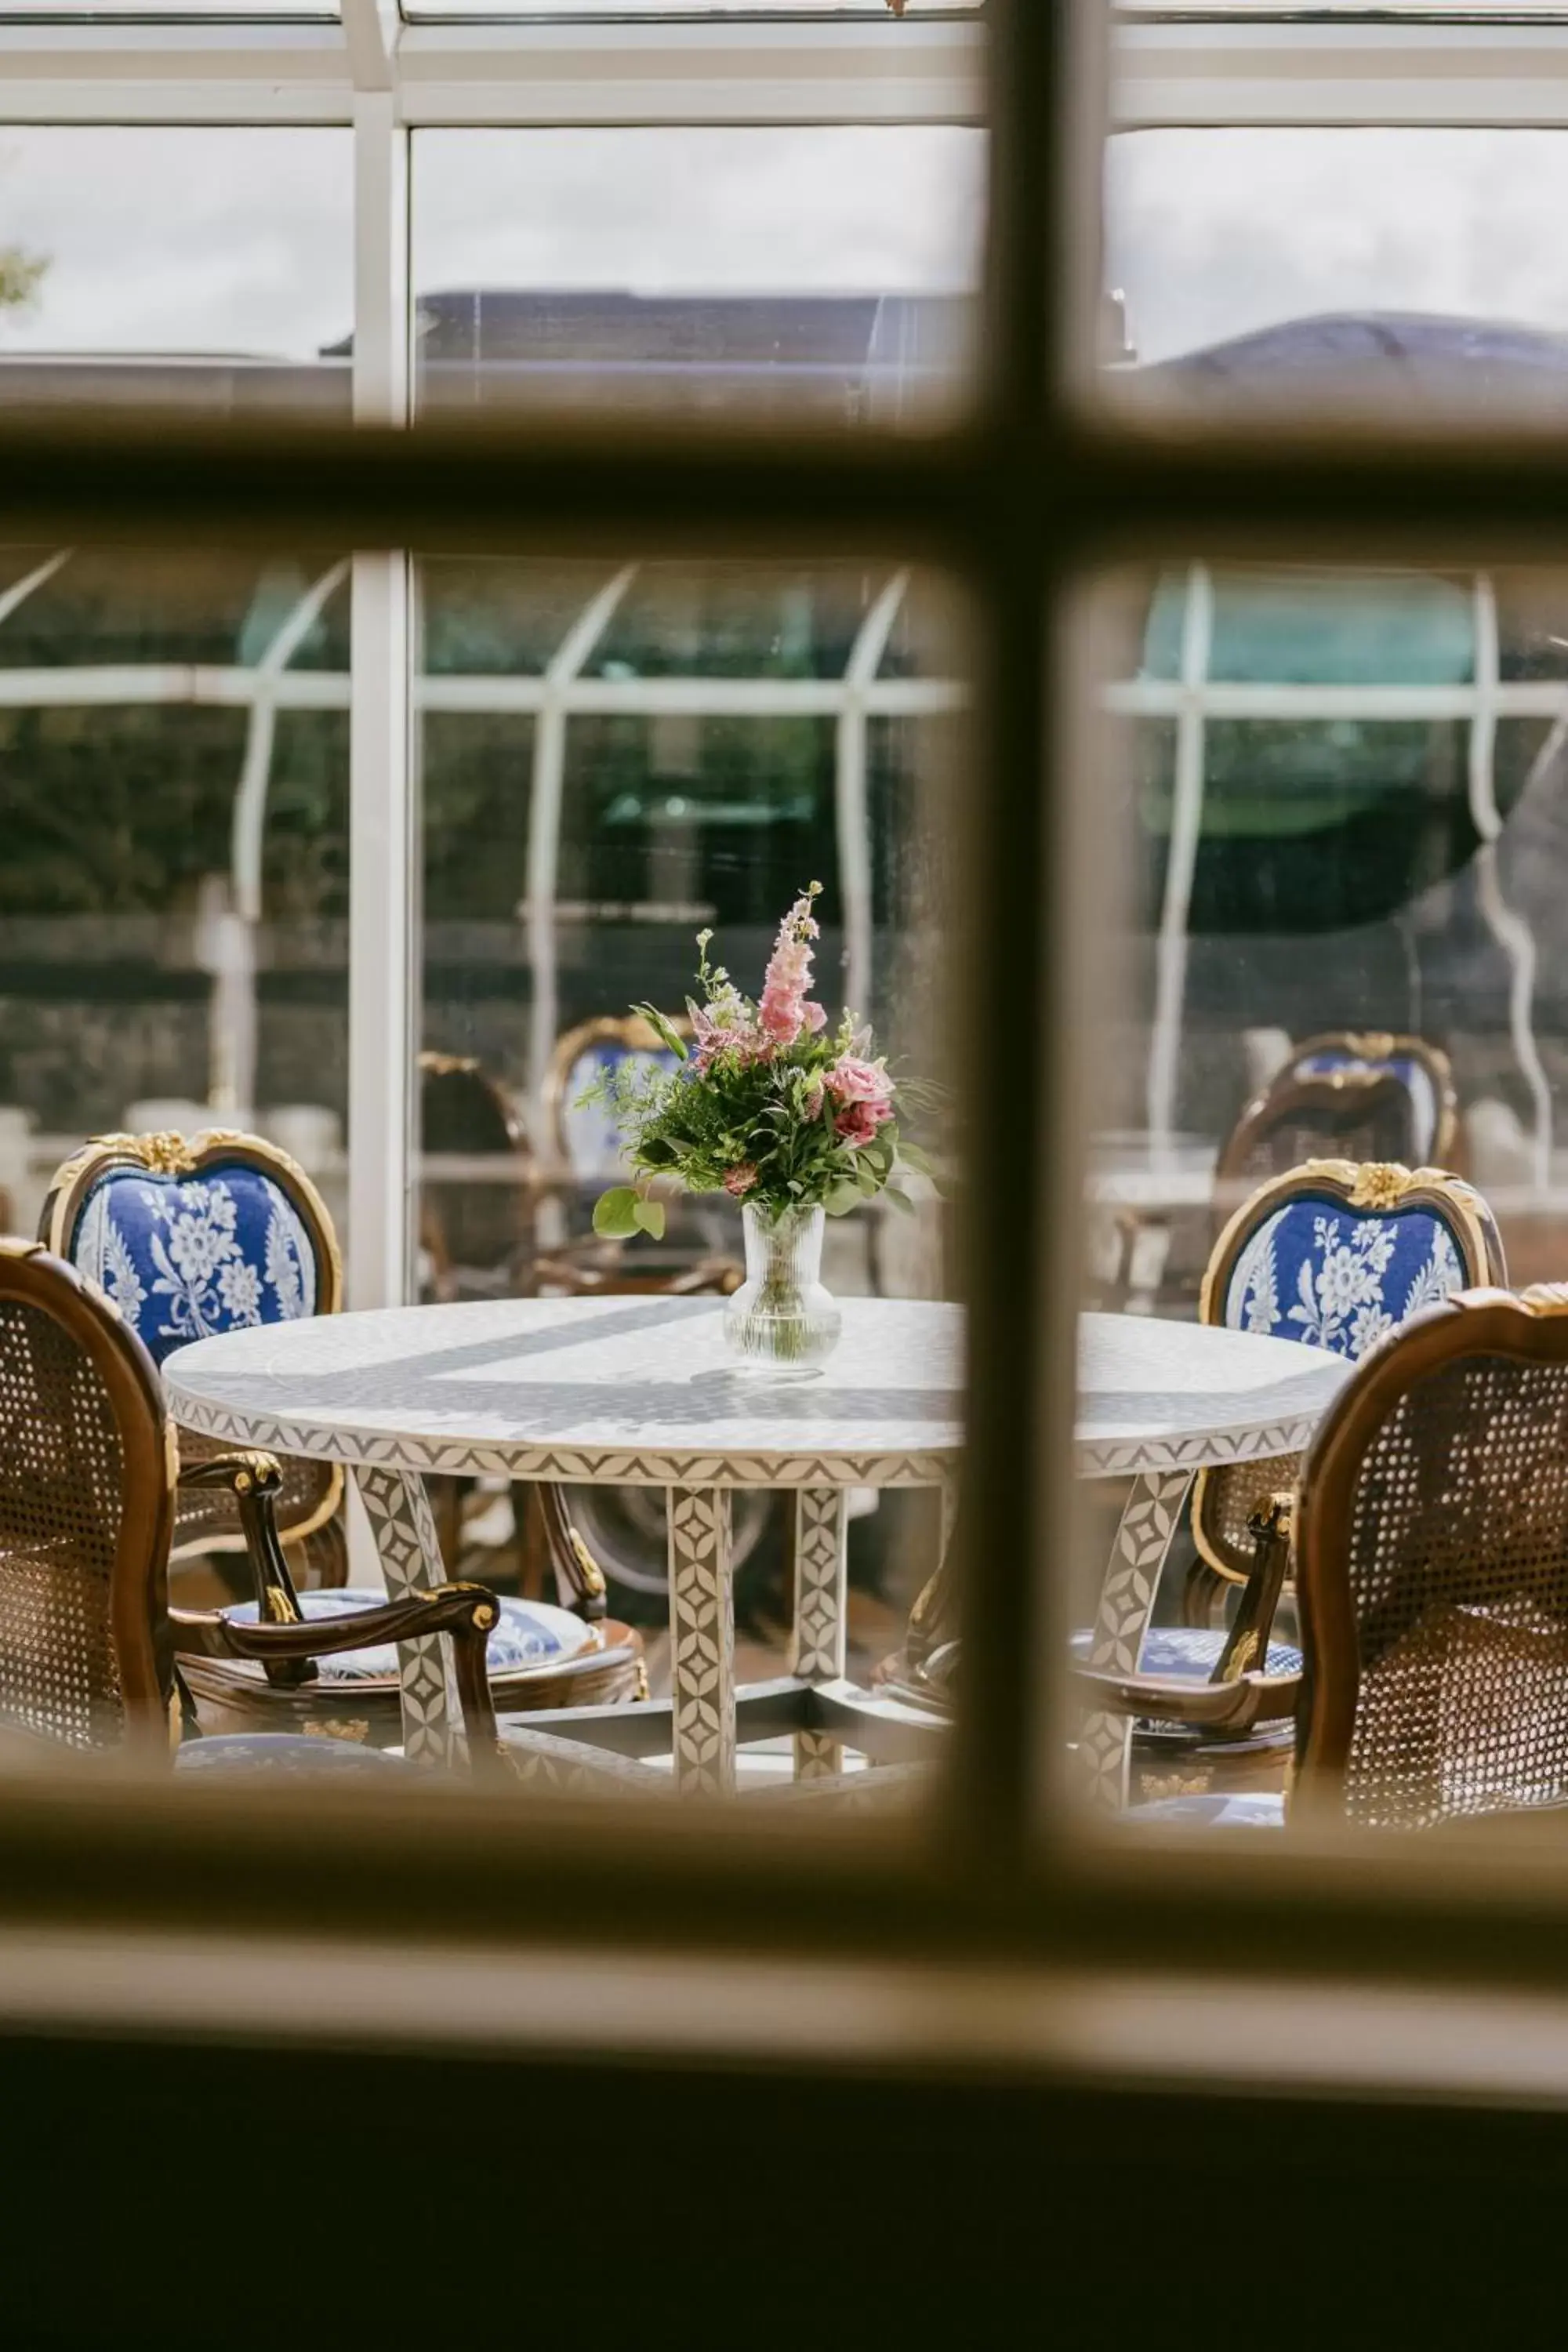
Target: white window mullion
{"points": [[382, 935]]}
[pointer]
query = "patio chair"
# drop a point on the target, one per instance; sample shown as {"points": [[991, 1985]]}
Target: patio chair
{"points": [[1348, 1114], [476, 1236], [192, 1237], [89, 1478], [1420, 1068], [1432, 1560], [1333, 1256], [223, 1232]]}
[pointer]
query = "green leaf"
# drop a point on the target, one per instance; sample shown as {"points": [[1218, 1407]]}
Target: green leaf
{"points": [[840, 1198], [868, 1184], [900, 1200], [648, 1218], [655, 1152], [615, 1212], [913, 1157], [657, 1020]]}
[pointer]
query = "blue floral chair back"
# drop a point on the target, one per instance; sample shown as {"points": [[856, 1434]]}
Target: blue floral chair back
{"points": [[585, 1136], [1333, 1255], [1420, 1068], [190, 1237]]}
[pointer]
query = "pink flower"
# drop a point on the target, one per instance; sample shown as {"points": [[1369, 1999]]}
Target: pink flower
{"points": [[741, 1178], [783, 1009], [816, 1016], [857, 1125], [851, 1080]]}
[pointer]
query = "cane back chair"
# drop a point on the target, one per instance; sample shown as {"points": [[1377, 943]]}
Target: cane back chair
{"points": [[1422, 1070], [90, 1475], [1333, 1256], [192, 1237], [1432, 1566], [474, 1234], [1345, 1114]]}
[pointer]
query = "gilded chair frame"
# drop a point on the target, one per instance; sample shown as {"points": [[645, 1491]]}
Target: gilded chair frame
{"points": [[1528, 1327], [146, 1633], [1375, 1045], [166, 1153], [1364, 1184], [1341, 1097], [630, 1031]]}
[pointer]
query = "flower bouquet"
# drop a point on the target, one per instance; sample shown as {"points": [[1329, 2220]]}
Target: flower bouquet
{"points": [[792, 1118]]}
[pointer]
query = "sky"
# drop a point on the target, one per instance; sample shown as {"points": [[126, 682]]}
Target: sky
{"points": [[240, 241], [199, 240]]}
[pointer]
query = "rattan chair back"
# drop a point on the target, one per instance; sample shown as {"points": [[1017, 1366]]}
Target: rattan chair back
{"points": [[1421, 1068], [472, 1233], [86, 1500], [1432, 1543], [1225, 1499], [207, 1518], [1361, 1115]]}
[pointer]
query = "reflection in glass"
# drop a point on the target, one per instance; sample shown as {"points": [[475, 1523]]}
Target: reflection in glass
{"points": [[177, 268], [1335, 843], [612, 760], [825, 273]]}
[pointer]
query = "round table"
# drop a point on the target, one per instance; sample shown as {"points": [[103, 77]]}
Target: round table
{"points": [[641, 1391]]}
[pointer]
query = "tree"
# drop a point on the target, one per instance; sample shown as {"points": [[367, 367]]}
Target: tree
{"points": [[21, 275]]}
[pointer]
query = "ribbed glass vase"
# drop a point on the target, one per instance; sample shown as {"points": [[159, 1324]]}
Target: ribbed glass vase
{"points": [[782, 1319]]}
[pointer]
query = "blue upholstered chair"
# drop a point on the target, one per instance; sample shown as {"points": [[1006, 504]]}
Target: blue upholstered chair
{"points": [[1332, 1255], [1431, 1548], [88, 1478], [584, 1135], [220, 1233], [193, 1237]]}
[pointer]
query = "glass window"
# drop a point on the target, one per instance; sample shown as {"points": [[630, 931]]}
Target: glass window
{"points": [[823, 274], [1399, 271], [183, 268], [173, 897], [613, 760]]}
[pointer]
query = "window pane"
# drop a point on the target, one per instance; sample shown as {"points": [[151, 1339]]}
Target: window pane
{"points": [[1400, 272], [821, 273], [207, 268], [613, 760], [173, 898], [521, 9], [1333, 876]]}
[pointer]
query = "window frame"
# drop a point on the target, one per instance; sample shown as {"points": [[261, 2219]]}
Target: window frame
{"points": [[1027, 501]]}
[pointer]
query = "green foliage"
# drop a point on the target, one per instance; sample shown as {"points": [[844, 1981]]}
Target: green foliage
{"points": [[779, 1119], [21, 275]]}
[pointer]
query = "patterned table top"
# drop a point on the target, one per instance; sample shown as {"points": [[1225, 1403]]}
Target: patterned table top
{"points": [[641, 1391]]}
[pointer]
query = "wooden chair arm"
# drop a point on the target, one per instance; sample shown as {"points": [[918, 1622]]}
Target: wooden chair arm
{"points": [[254, 1481], [466, 1612], [1233, 1706], [579, 1580]]}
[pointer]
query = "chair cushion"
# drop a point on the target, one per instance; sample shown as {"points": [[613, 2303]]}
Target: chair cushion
{"points": [[281, 1753], [592, 1139], [1416, 1081], [531, 1633], [1338, 1278], [1188, 1652], [1256, 1810], [184, 1257]]}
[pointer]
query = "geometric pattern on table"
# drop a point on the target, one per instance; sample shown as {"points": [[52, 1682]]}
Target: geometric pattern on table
{"points": [[187, 1257], [410, 1553], [529, 1633], [1149, 1520], [817, 1648], [702, 1643], [1259, 1809]]}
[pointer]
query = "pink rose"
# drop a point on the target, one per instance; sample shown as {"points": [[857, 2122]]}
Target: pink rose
{"points": [[741, 1178], [857, 1125], [854, 1081]]}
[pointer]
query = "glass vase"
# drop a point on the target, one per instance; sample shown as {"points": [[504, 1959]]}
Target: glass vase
{"points": [[781, 1320]]}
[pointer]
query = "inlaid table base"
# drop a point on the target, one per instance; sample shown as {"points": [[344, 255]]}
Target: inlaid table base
{"points": [[409, 1549], [1148, 1520]]}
